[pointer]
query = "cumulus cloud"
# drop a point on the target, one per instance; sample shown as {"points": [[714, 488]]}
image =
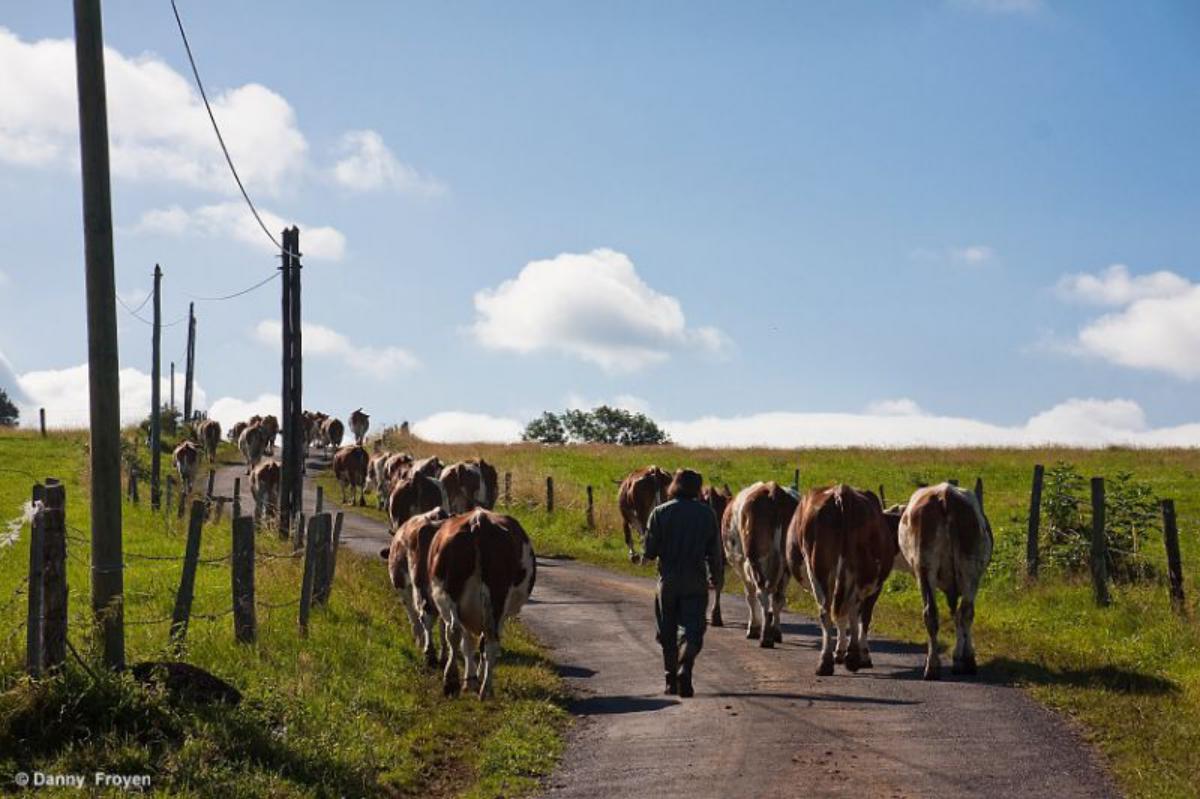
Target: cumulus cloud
{"points": [[592, 306], [1156, 326], [1115, 286], [320, 341], [368, 165], [64, 395], [158, 128], [231, 410], [626, 402], [457, 427], [233, 220], [901, 406]]}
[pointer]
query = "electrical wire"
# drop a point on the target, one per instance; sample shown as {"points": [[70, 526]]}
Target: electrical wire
{"points": [[259, 284]]}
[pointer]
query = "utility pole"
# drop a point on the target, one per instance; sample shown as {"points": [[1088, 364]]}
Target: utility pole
{"points": [[108, 593], [156, 391], [190, 370], [172, 391], [297, 381], [292, 488], [285, 393]]}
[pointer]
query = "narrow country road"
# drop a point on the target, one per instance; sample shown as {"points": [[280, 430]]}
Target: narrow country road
{"points": [[761, 724]]}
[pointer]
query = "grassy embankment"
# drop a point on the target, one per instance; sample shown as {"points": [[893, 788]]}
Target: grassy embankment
{"points": [[350, 710], [1129, 674]]}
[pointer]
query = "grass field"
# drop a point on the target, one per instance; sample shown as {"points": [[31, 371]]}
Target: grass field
{"points": [[348, 711], [1129, 674]]}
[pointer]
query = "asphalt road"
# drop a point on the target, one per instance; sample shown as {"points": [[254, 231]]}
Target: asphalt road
{"points": [[761, 724]]}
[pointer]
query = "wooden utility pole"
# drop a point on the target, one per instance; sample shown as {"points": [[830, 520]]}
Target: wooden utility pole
{"points": [[1099, 554], [190, 369], [156, 391], [286, 508], [297, 402], [291, 491], [172, 387], [104, 402]]}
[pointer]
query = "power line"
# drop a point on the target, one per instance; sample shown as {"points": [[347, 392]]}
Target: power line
{"points": [[259, 284], [132, 312], [217, 130]]}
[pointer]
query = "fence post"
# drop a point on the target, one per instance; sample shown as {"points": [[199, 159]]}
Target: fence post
{"points": [[170, 491], [42, 420], [508, 488], [796, 479], [320, 506], [208, 492], [306, 584], [591, 513], [1174, 563], [54, 560], [298, 536], [882, 498], [237, 497], [133, 486], [1099, 544], [321, 543], [333, 552], [1035, 521], [187, 580], [33, 621], [245, 623], [549, 495]]}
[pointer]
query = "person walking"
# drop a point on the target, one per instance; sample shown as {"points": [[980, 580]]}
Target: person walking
{"points": [[682, 536]]}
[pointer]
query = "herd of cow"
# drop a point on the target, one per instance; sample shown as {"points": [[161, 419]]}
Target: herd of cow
{"points": [[461, 568], [841, 543]]}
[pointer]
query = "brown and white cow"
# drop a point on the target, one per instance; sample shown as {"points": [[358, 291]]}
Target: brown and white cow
{"points": [[209, 434], [482, 570], [841, 542], [264, 487], [470, 484], [270, 427], [393, 470], [186, 459], [641, 491], [414, 494], [408, 567], [718, 500], [350, 469], [947, 541], [235, 432], [251, 444], [430, 467], [359, 422], [375, 475], [753, 536], [332, 431]]}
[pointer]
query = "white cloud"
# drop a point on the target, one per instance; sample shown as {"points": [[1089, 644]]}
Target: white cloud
{"points": [[626, 402], [320, 341], [231, 410], [64, 395], [158, 128], [368, 165], [971, 255], [457, 427], [901, 406], [1002, 6], [1115, 286], [591, 306], [233, 220]]}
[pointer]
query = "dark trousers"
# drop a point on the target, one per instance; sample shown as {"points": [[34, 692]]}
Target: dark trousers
{"points": [[675, 611]]}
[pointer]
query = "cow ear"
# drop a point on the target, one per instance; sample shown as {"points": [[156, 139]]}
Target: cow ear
{"points": [[383, 553]]}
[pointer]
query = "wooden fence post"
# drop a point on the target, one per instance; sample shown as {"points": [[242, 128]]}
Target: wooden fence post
{"points": [[187, 580], [133, 485], [796, 480], [591, 512], [1099, 544], [321, 578], [306, 585], [42, 420], [320, 506], [237, 497], [508, 488], [54, 560], [333, 552], [298, 536], [1174, 563], [33, 620], [549, 495], [208, 492], [1035, 521], [170, 491], [245, 623]]}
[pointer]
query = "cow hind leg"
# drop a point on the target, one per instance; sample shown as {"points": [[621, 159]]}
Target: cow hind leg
{"points": [[778, 605], [853, 627], [470, 649], [767, 639], [929, 597], [491, 656], [828, 632], [451, 682], [964, 650], [754, 625], [868, 610]]}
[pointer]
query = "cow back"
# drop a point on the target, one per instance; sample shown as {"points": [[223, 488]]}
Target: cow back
{"points": [[492, 546]]}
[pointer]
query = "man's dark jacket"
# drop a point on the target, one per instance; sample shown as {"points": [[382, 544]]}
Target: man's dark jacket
{"points": [[682, 535]]}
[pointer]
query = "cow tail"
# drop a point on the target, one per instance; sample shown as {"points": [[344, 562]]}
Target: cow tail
{"points": [[841, 585]]}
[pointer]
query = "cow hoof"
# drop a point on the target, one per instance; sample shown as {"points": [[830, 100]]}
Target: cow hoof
{"points": [[717, 621], [853, 662], [778, 636], [767, 641], [866, 663], [753, 633], [931, 672], [825, 669], [839, 658], [431, 660], [451, 687], [965, 666], [472, 686]]}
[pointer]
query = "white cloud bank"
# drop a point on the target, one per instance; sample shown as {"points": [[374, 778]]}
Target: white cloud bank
{"points": [[368, 165], [233, 220], [231, 410], [1075, 422], [1156, 326], [592, 306], [320, 341]]}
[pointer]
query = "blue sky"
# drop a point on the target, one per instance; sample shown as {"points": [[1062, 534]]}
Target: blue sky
{"points": [[711, 211]]}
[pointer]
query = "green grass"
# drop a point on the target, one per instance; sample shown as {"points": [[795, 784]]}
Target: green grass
{"points": [[350, 710], [1129, 674]]}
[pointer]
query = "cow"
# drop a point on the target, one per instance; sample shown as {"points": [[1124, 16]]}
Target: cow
{"points": [[391, 471], [235, 432], [641, 491], [209, 434], [270, 426], [414, 494], [753, 534], [430, 467], [359, 422], [350, 469], [408, 567], [264, 487], [840, 540], [481, 572], [718, 500], [251, 444], [332, 431], [470, 484], [947, 541], [375, 466], [186, 459]]}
